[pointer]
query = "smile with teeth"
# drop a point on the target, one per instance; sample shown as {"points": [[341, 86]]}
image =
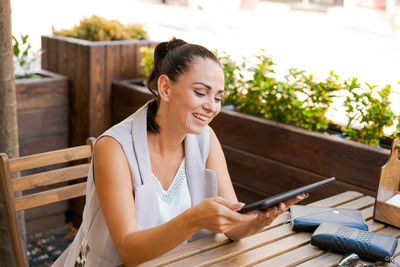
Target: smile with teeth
{"points": [[200, 117]]}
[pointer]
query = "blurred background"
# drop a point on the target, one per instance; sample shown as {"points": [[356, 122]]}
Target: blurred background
{"points": [[354, 38]]}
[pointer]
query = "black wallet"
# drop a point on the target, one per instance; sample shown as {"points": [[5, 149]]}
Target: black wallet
{"points": [[308, 218], [368, 245]]}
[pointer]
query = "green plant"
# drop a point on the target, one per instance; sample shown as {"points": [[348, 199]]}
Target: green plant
{"points": [[316, 98], [147, 62], [233, 74], [97, 28], [298, 99], [370, 109], [24, 57], [259, 87]]}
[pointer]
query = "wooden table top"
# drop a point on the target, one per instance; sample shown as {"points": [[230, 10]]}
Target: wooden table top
{"points": [[277, 245]]}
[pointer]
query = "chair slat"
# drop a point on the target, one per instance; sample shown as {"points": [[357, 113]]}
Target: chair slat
{"points": [[50, 196], [50, 158], [50, 177]]}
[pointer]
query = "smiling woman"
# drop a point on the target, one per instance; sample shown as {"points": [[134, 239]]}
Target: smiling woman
{"points": [[159, 178]]}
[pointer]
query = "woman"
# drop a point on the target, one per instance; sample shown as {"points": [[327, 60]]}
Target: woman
{"points": [[159, 178]]}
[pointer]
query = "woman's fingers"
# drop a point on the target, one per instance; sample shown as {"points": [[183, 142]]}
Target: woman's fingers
{"points": [[229, 212], [275, 211], [294, 200], [219, 214]]}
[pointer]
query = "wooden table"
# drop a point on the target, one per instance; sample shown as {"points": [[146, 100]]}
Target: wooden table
{"points": [[277, 245]]}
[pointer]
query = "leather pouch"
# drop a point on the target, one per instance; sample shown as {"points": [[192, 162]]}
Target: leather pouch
{"points": [[368, 245], [308, 218]]}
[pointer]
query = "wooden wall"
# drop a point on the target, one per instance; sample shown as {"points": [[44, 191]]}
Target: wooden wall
{"points": [[43, 125], [266, 158]]}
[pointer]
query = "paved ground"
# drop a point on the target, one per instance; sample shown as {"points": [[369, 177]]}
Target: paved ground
{"points": [[353, 42]]}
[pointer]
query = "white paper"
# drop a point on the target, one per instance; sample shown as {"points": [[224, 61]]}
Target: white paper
{"points": [[395, 200]]}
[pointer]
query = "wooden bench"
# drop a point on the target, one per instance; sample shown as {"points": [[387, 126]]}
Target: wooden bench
{"points": [[60, 177]]}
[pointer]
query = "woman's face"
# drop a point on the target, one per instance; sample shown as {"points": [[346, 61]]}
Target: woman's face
{"points": [[195, 98]]}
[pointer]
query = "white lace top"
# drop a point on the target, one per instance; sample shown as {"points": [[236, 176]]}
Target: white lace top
{"points": [[176, 199]]}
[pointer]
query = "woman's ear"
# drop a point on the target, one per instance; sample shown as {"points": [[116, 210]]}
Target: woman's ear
{"points": [[164, 86]]}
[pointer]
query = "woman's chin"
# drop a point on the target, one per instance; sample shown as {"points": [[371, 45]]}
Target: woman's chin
{"points": [[196, 129]]}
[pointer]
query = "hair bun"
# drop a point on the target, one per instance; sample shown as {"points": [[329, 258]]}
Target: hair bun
{"points": [[174, 43]]}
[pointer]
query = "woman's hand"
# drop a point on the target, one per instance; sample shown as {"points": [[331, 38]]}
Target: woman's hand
{"points": [[219, 215], [266, 217], [263, 218]]}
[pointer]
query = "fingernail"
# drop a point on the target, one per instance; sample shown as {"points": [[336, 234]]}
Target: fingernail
{"points": [[255, 215], [239, 205], [282, 206]]}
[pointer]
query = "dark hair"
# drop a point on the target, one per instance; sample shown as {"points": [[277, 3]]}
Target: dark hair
{"points": [[173, 59]]}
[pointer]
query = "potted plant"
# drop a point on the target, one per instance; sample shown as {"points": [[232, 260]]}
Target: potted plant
{"points": [[92, 55]]}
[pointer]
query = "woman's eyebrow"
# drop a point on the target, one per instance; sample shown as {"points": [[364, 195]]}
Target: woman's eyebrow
{"points": [[207, 86]]}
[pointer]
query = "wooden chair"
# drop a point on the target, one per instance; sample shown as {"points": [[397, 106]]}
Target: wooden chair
{"points": [[10, 186]]}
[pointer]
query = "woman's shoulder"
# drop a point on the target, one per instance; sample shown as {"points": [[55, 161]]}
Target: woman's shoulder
{"points": [[121, 127]]}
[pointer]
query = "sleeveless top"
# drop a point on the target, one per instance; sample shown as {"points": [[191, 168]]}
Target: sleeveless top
{"points": [[174, 200], [92, 245]]}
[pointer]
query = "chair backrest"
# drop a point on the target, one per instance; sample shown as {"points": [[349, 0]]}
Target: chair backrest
{"points": [[10, 186]]}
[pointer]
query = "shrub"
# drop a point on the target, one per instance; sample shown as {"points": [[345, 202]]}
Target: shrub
{"points": [[298, 99], [97, 28], [233, 74], [369, 109]]}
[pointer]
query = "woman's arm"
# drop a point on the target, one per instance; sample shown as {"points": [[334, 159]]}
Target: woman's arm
{"points": [[216, 161], [114, 188]]}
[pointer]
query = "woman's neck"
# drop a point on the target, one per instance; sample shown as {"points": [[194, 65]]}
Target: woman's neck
{"points": [[168, 141]]}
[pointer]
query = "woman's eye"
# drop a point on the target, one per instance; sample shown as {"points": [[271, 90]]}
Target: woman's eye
{"points": [[199, 93], [217, 99]]}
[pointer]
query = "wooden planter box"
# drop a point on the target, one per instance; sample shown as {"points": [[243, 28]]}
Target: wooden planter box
{"points": [[91, 68], [43, 125], [42, 111], [265, 157]]}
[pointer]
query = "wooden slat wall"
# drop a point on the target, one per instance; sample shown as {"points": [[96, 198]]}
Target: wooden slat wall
{"points": [[91, 67], [28, 145], [265, 158], [125, 101], [42, 111], [43, 125]]}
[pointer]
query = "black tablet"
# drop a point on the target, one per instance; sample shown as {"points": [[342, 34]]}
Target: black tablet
{"points": [[265, 203]]}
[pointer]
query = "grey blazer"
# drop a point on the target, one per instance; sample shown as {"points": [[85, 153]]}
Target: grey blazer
{"points": [[92, 245]]}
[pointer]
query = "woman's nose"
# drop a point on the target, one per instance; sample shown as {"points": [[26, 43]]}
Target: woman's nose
{"points": [[210, 105]]}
